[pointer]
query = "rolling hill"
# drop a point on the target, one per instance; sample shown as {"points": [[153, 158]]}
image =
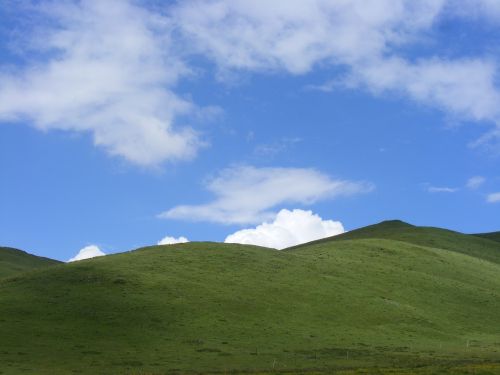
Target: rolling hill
{"points": [[13, 261], [494, 236], [482, 246], [374, 302]]}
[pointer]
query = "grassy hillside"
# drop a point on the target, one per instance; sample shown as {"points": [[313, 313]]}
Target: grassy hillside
{"points": [[484, 248], [203, 307], [13, 261], [494, 236]]}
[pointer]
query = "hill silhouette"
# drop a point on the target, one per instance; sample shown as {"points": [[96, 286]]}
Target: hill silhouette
{"points": [[13, 261]]}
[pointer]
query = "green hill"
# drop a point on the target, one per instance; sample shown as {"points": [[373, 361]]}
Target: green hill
{"points": [[208, 307], [473, 245], [13, 261], [494, 236]]}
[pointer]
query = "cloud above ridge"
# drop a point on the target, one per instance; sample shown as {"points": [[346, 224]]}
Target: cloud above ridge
{"points": [[248, 195], [168, 240], [87, 252], [288, 228]]}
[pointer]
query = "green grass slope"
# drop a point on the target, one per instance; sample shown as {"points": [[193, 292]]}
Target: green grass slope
{"points": [[207, 307], [13, 261], [473, 245], [494, 236]]}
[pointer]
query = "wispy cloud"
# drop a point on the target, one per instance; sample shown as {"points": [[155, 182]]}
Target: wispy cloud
{"points": [[247, 195], [493, 198], [270, 150], [464, 88], [110, 68], [472, 183], [363, 39], [480, 9], [441, 189], [327, 86], [297, 36], [475, 182]]}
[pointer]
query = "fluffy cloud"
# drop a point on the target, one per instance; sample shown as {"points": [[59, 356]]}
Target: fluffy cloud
{"points": [[493, 198], [172, 240], [475, 182], [289, 228], [106, 68], [87, 252], [246, 194]]}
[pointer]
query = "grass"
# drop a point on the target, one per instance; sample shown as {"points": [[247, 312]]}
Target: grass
{"points": [[494, 236], [483, 247], [356, 306], [13, 261]]}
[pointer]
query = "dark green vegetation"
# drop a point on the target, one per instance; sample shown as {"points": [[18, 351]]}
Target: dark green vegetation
{"points": [[495, 236], [390, 298], [13, 261]]}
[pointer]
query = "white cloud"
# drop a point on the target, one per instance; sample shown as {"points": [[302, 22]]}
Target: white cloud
{"points": [[475, 182], [106, 68], [443, 189], [110, 68], [289, 228], [364, 38], [489, 9], [246, 194], [172, 240], [296, 36], [87, 252], [270, 150], [464, 88], [493, 198]]}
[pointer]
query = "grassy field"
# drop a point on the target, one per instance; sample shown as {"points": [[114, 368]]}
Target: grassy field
{"points": [[360, 305], [13, 261]]}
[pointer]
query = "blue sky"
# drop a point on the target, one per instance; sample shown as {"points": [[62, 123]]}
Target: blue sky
{"points": [[125, 122]]}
